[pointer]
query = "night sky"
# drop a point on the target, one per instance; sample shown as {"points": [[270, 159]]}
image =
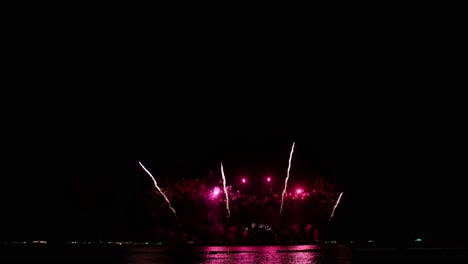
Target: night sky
{"points": [[385, 127]]}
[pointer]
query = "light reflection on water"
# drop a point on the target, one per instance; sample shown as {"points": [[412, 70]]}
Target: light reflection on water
{"points": [[242, 254]]}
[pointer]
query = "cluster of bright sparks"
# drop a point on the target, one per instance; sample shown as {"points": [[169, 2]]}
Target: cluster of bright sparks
{"points": [[216, 191], [260, 227]]}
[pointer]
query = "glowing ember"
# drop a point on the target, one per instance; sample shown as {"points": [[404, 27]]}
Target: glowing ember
{"points": [[268, 179], [243, 180], [299, 191]]}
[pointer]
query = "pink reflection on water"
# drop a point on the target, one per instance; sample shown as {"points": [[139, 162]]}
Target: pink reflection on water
{"points": [[264, 254], [315, 254]]}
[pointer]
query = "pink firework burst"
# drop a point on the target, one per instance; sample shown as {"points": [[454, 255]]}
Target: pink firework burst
{"points": [[216, 191]]}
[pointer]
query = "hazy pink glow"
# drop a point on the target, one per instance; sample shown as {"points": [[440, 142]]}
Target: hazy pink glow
{"points": [[216, 191], [299, 190], [243, 180], [268, 179]]}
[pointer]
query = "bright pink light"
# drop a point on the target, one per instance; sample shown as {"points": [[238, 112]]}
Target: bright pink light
{"points": [[268, 179], [216, 191], [243, 180], [299, 190]]}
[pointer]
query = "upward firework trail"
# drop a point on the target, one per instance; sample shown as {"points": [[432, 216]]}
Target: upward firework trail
{"points": [[159, 189], [287, 178], [225, 190], [334, 207]]}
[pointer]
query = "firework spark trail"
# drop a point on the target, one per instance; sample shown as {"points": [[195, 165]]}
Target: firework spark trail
{"points": [[225, 190], [334, 207], [159, 189], [287, 178]]}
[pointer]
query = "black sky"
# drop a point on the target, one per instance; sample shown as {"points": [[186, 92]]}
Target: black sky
{"points": [[382, 117], [400, 163]]}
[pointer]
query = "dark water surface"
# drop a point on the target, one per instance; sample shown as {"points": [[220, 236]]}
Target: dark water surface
{"points": [[319, 254]]}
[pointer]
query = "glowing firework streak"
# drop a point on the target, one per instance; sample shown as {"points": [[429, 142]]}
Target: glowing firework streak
{"points": [[334, 207], [225, 190], [159, 189], [287, 178]]}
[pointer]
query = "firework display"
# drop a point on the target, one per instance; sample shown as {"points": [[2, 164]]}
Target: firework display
{"points": [[209, 209]]}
